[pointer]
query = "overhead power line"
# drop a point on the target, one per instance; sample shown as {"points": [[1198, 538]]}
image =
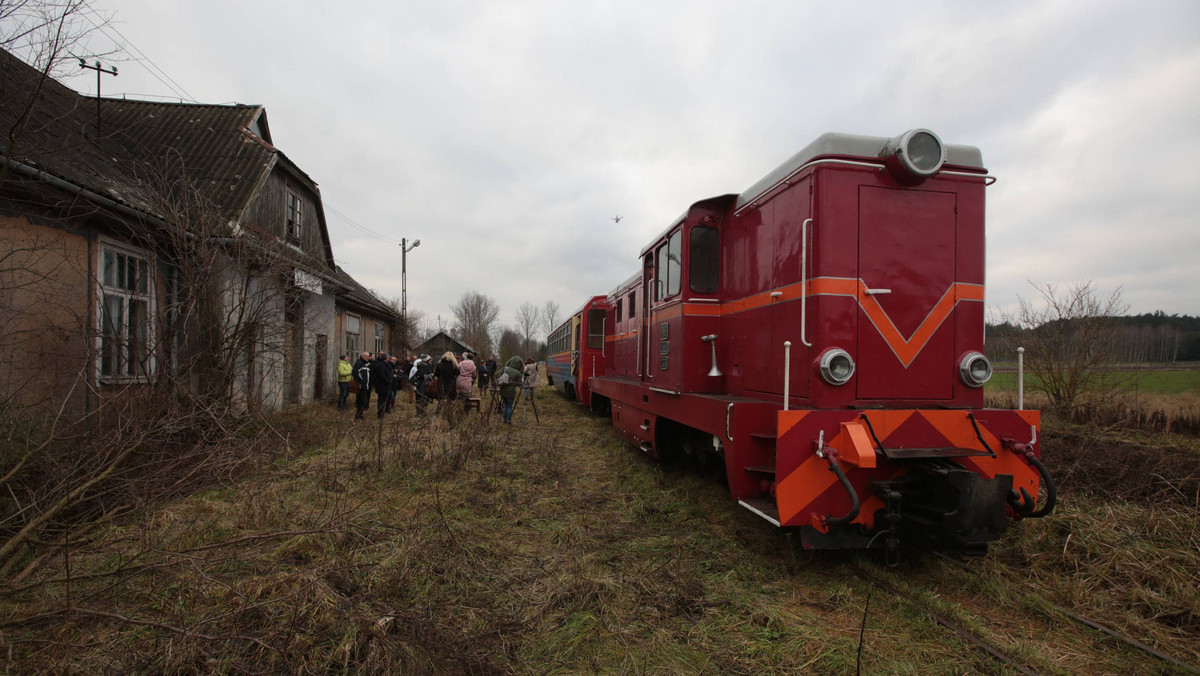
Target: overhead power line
{"points": [[361, 228], [145, 61]]}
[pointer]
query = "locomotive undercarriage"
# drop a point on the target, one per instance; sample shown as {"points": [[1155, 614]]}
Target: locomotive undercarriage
{"points": [[940, 504], [937, 505]]}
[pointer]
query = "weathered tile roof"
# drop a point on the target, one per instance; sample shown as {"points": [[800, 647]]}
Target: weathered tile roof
{"points": [[218, 152], [217, 145], [57, 134], [362, 298], [53, 131]]}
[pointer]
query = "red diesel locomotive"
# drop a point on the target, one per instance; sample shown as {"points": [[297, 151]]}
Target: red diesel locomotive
{"points": [[821, 336]]}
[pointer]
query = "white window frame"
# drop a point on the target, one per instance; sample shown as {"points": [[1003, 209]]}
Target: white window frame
{"points": [[353, 352], [380, 337], [126, 296]]}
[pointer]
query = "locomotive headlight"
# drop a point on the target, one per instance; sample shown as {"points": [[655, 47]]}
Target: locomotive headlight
{"points": [[975, 369], [914, 156], [836, 366]]}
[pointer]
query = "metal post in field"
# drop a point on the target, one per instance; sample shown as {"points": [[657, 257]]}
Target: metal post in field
{"points": [[1020, 379]]}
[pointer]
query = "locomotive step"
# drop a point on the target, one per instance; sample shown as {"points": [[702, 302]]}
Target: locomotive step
{"points": [[761, 469], [765, 436], [764, 508]]}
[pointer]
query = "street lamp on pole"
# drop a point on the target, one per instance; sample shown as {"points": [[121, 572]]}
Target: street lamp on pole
{"points": [[405, 247]]}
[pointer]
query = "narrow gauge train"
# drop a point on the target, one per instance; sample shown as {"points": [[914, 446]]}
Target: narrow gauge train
{"points": [[820, 336]]}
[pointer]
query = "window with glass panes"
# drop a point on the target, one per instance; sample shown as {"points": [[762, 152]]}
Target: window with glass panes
{"points": [[295, 215], [353, 336], [126, 314], [380, 334]]}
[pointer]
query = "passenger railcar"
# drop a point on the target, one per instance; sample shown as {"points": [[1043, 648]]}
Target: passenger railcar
{"points": [[820, 335], [576, 351]]}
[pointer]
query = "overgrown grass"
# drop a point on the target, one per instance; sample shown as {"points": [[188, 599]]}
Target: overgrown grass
{"points": [[1143, 381], [544, 547]]}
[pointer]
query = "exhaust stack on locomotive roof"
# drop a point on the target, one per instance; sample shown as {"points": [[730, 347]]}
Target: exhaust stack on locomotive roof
{"points": [[858, 263]]}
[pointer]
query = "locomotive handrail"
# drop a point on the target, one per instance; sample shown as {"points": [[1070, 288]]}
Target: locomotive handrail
{"points": [[988, 179], [804, 282], [787, 372]]}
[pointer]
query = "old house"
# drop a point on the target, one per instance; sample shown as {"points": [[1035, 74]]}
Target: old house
{"points": [[159, 245], [363, 322], [440, 343]]}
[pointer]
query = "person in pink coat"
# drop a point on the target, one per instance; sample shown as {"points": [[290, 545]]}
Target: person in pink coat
{"points": [[466, 378]]}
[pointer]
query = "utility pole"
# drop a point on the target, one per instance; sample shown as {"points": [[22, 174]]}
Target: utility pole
{"points": [[404, 249], [99, 69]]}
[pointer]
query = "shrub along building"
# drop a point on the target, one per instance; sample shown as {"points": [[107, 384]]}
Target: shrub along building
{"points": [[161, 248]]}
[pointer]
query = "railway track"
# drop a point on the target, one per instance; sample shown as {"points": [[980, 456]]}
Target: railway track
{"points": [[986, 647], [1082, 620]]}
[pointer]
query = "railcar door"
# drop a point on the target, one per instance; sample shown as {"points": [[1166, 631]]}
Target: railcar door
{"points": [[906, 263], [643, 318]]}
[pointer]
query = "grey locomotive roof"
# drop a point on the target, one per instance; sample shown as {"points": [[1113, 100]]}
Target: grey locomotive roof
{"points": [[625, 284], [849, 145]]}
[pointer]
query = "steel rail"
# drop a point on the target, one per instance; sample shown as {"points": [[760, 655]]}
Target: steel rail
{"points": [[1085, 621], [954, 627]]}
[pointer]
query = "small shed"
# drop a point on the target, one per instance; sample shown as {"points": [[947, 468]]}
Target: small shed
{"points": [[440, 343]]}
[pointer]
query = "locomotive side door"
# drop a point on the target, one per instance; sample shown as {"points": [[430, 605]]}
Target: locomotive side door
{"points": [[906, 269], [643, 318]]}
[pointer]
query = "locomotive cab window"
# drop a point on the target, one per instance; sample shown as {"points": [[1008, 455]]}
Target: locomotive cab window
{"points": [[670, 266], [703, 260]]}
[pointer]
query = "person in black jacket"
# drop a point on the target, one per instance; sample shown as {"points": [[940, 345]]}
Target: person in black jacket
{"points": [[446, 372], [362, 376], [397, 381], [420, 376], [382, 380]]}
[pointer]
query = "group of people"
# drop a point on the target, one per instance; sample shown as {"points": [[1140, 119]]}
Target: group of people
{"points": [[451, 378]]}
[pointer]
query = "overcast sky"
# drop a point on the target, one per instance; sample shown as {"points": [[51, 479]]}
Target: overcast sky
{"points": [[505, 135]]}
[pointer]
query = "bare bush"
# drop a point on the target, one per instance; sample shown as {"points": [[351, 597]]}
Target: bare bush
{"points": [[1070, 337]]}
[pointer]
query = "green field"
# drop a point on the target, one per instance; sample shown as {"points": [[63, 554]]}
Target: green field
{"points": [[1155, 382]]}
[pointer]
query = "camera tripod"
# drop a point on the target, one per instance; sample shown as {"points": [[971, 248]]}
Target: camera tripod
{"points": [[494, 402]]}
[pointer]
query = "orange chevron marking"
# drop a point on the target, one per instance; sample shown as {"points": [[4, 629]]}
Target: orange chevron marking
{"points": [[798, 489], [786, 420], [905, 349]]}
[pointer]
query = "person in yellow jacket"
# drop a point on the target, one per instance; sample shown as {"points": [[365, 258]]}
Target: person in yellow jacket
{"points": [[345, 372]]}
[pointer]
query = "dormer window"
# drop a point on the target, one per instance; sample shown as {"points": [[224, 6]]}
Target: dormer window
{"points": [[294, 216]]}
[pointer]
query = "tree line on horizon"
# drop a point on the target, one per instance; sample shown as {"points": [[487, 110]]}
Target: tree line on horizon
{"points": [[1152, 337]]}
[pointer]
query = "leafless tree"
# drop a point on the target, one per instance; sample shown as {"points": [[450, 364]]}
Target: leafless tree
{"points": [[474, 317], [550, 316], [527, 324], [511, 343], [1070, 336]]}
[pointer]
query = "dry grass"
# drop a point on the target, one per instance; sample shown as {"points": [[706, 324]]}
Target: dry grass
{"points": [[548, 547]]}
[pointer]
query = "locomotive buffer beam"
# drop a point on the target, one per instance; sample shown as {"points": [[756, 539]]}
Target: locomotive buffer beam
{"points": [[945, 506]]}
